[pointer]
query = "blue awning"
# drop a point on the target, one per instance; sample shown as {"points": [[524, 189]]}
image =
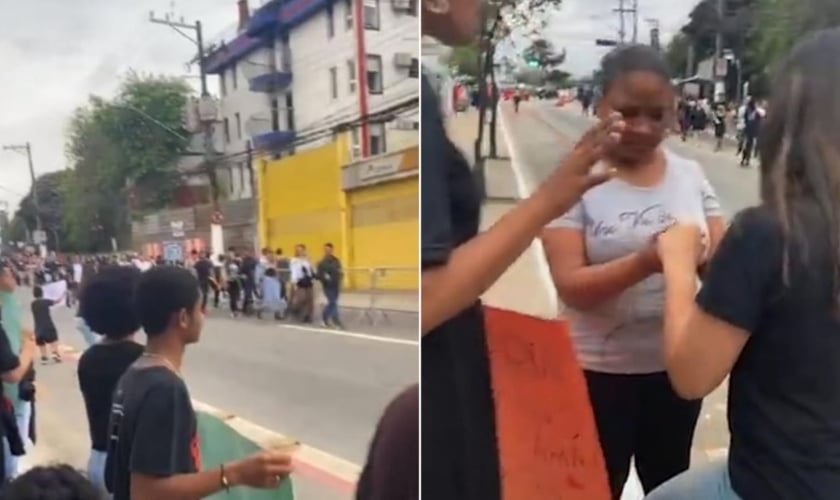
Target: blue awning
{"points": [[271, 81], [273, 141], [264, 19]]}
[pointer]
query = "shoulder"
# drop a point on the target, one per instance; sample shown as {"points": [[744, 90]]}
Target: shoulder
{"points": [[759, 220], [686, 167]]}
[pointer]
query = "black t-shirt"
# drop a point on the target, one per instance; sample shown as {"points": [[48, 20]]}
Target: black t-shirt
{"points": [[784, 402], [42, 316], [460, 456], [203, 269], [99, 370], [152, 429]]}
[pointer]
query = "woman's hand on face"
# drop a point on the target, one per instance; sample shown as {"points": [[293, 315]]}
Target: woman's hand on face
{"points": [[574, 176], [681, 242]]}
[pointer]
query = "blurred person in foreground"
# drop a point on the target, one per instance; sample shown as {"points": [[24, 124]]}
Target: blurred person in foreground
{"points": [[460, 454], [17, 350], [153, 447], [53, 482], [107, 305], [768, 314]]}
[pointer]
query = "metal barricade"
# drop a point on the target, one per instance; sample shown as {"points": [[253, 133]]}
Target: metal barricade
{"points": [[379, 292]]}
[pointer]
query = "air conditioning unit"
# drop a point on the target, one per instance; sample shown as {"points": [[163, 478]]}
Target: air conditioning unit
{"points": [[402, 60], [405, 124], [402, 5], [208, 109]]}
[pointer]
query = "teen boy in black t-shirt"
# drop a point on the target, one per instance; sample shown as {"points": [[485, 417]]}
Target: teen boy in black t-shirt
{"points": [[107, 306], [153, 450]]}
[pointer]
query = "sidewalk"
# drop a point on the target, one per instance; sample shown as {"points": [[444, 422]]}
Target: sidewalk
{"points": [[502, 194]]}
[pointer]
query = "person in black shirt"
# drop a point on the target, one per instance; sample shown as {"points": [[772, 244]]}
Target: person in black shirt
{"points": [[107, 305], [153, 449], [46, 334], [56, 482], [460, 455], [203, 271], [248, 268], [767, 314]]}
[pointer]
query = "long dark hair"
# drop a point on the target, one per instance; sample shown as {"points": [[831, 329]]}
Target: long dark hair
{"points": [[799, 147]]}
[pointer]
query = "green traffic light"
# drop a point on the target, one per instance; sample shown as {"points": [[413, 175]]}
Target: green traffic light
{"points": [[533, 64]]}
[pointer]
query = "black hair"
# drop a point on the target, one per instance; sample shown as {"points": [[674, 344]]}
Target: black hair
{"points": [[629, 59], [163, 292], [279, 251], [106, 302], [329, 245], [37, 291], [56, 482], [271, 272]]}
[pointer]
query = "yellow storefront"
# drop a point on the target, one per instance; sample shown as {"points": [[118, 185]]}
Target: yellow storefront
{"points": [[383, 237], [302, 202]]}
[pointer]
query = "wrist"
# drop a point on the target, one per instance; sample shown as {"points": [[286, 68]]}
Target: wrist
{"points": [[231, 471]]}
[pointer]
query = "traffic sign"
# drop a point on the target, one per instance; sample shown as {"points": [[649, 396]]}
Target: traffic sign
{"points": [[603, 42]]}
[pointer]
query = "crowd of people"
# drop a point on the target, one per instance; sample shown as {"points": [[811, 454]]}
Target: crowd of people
{"points": [[141, 422]]}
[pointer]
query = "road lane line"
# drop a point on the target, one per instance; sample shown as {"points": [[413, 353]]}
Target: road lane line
{"points": [[524, 185], [355, 335], [316, 464]]}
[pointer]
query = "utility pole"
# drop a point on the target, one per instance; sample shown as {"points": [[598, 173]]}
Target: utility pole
{"points": [[717, 78], [622, 24], [26, 149]]}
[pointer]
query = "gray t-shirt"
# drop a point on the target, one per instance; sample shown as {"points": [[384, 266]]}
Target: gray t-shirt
{"points": [[624, 334]]}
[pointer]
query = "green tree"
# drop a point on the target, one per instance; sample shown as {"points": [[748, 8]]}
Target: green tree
{"points": [[559, 78], [464, 60], [52, 204], [123, 153]]}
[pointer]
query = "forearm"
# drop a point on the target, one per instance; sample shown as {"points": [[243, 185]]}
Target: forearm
{"points": [[680, 289], [474, 266], [184, 486], [590, 286]]}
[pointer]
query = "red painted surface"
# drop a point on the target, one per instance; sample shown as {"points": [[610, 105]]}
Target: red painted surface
{"points": [[361, 58]]}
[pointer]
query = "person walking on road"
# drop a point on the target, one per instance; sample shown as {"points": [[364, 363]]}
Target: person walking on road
{"points": [[303, 276], [767, 314], [719, 121], [752, 126], [605, 267], [204, 272], [460, 457], [330, 274], [153, 448], [46, 334], [108, 306]]}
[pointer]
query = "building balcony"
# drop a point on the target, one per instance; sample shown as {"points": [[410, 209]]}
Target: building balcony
{"points": [[270, 81], [273, 141]]}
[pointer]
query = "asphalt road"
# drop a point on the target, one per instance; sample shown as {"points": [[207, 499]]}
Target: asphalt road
{"points": [[326, 389], [540, 134]]}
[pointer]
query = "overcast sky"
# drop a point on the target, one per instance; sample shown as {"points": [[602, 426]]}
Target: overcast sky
{"points": [[56, 53], [577, 23]]}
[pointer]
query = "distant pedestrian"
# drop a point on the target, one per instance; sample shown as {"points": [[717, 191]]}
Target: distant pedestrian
{"points": [[303, 276], [273, 300], [46, 334], [330, 273], [719, 119], [753, 118], [108, 306]]}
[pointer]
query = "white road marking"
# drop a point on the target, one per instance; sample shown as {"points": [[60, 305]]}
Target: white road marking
{"points": [[355, 335], [524, 185], [336, 466]]}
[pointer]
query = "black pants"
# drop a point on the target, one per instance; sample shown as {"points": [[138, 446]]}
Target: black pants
{"points": [[641, 416], [234, 290], [749, 146], [204, 285]]}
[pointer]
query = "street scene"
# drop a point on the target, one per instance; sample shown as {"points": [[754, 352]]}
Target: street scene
{"points": [[264, 153]]}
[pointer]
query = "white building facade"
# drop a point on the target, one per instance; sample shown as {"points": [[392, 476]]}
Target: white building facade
{"points": [[299, 70]]}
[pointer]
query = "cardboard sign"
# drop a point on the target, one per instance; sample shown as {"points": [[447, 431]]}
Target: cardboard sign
{"points": [[548, 443]]}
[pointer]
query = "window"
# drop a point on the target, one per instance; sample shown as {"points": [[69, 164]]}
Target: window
{"points": [[371, 13], [330, 23], [348, 15], [227, 130], [238, 126], [355, 144], [351, 75], [223, 83], [275, 115], [374, 74], [377, 138], [233, 77], [334, 82]]}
